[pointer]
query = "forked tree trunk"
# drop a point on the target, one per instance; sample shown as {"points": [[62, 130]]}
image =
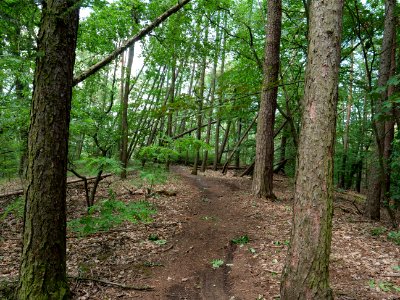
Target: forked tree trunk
{"points": [[264, 161], [43, 266], [306, 272]]}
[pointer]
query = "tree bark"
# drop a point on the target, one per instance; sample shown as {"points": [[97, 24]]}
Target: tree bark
{"points": [[124, 112], [43, 266], [344, 170], [200, 99], [306, 272], [262, 185], [376, 186]]}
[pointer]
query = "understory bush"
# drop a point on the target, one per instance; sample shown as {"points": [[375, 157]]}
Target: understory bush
{"points": [[110, 213]]}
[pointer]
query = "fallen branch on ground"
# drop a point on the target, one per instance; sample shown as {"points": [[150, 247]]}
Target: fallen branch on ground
{"points": [[76, 180], [127, 287]]}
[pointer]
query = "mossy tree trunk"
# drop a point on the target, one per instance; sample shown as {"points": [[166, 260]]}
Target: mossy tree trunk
{"points": [[43, 266], [306, 273], [264, 161]]}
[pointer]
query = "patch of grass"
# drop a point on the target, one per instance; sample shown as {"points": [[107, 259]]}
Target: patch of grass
{"points": [[216, 263], [111, 213], [242, 240], [377, 231], [16, 208], [394, 236]]}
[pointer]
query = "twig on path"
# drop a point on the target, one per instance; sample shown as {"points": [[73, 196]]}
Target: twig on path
{"points": [[127, 287], [391, 275]]}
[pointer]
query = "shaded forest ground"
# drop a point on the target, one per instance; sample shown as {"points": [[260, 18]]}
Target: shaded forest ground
{"points": [[196, 227]]}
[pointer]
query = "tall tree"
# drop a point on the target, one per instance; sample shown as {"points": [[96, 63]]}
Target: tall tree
{"points": [[43, 267], [306, 274], [377, 187], [264, 162], [125, 90]]}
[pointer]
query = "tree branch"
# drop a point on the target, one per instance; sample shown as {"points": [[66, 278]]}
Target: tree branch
{"points": [[141, 34]]}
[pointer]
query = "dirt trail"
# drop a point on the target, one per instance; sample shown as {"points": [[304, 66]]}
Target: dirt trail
{"points": [[214, 219], [195, 227]]}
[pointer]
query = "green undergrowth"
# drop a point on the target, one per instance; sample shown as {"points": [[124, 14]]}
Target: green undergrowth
{"points": [[150, 175], [111, 213], [15, 208]]}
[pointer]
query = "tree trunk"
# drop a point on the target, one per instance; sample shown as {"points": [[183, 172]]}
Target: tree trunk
{"points": [[217, 158], [343, 169], [212, 98], [43, 266], [124, 112], [306, 272], [376, 188], [264, 161], [200, 99], [239, 133], [171, 101]]}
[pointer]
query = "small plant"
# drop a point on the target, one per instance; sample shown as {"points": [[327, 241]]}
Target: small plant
{"points": [[150, 176], [160, 242], [242, 240], [111, 213], [377, 231], [208, 218], [16, 208], [252, 250], [153, 237], [216, 263], [384, 286], [394, 236], [396, 268], [280, 243]]}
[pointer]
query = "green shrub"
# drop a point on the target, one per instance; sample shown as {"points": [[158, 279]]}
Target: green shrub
{"points": [[377, 231], [111, 213], [394, 236]]}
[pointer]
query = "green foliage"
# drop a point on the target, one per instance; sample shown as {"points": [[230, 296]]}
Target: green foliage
{"points": [[15, 208], [242, 240], [396, 268], [158, 153], [377, 231], [394, 236], [111, 213], [281, 243], [149, 176], [216, 263], [383, 286]]}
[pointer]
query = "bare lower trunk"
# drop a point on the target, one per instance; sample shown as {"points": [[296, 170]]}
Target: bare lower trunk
{"points": [[264, 162], [306, 272]]}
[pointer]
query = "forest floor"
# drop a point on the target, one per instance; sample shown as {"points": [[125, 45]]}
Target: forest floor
{"points": [[191, 254]]}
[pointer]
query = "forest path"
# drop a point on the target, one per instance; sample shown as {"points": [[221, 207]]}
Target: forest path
{"points": [[215, 217]]}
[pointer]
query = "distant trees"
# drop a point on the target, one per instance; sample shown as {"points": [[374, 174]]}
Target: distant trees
{"points": [[306, 273]]}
